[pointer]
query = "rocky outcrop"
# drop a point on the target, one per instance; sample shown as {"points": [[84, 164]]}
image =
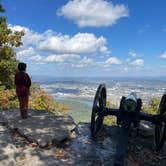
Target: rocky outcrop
{"points": [[41, 127], [78, 150]]}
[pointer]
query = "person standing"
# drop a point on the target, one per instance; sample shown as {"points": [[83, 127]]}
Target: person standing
{"points": [[23, 83]]}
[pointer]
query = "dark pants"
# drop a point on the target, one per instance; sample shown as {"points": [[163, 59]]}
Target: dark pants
{"points": [[23, 103]]}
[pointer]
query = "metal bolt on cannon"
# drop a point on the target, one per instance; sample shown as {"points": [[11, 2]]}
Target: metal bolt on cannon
{"points": [[128, 115]]}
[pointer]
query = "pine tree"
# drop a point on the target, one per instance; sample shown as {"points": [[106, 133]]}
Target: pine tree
{"points": [[8, 41]]}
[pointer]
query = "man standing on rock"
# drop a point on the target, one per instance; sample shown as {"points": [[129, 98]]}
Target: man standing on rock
{"points": [[23, 83]]}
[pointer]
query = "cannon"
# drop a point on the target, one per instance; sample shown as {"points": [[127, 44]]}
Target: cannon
{"points": [[128, 115]]}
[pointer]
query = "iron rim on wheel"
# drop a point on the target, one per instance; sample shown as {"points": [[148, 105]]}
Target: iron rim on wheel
{"points": [[98, 107], [160, 130]]}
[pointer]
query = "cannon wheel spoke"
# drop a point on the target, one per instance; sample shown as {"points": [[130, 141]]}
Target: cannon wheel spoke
{"points": [[98, 106], [160, 130]]}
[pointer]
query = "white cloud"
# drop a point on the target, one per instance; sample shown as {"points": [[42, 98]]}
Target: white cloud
{"points": [[29, 54], [50, 46], [104, 49], [93, 13], [50, 41], [17, 28], [138, 62], [62, 58], [132, 53], [25, 52], [163, 55], [81, 43], [113, 60], [84, 62], [36, 58], [30, 37]]}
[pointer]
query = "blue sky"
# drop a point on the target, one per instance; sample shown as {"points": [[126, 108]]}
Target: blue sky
{"points": [[91, 37]]}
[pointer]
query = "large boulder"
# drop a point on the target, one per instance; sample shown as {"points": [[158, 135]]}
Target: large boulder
{"points": [[41, 127], [45, 130]]}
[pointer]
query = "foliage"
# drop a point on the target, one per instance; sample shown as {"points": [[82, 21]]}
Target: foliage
{"points": [[8, 41], [34, 87], [39, 100], [4, 98], [152, 107], [110, 120], [8, 98]]}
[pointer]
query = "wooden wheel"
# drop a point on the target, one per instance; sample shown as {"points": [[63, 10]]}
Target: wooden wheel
{"points": [[98, 106], [160, 130]]}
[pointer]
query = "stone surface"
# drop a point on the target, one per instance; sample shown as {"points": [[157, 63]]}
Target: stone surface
{"points": [[79, 150], [3, 121], [45, 129], [13, 113], [7, 149], [88, 151]]}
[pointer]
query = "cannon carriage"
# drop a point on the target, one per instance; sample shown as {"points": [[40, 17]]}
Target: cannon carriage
{"points": [[128, 115]]}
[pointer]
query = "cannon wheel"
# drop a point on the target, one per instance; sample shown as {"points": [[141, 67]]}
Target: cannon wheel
{"points": [[98, 107], [160, 130]]}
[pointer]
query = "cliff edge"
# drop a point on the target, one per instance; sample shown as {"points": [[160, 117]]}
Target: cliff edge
{"points": [[44, 139]]}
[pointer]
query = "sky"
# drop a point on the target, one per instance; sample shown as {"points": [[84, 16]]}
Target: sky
{"points": [[91, 38]]}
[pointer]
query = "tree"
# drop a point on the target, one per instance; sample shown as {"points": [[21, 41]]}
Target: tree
{"points": [[8, 41]]}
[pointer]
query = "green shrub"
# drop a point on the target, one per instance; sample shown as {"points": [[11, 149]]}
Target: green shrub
{"points": [[152, 107], [110, 120]]}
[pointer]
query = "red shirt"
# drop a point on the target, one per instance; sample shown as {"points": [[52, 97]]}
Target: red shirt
{"points": [[23, 83]]}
